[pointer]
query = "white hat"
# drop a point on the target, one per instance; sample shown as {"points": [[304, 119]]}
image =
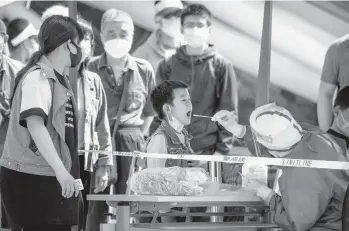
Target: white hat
{"points": [[275, 128], [165, 6]]}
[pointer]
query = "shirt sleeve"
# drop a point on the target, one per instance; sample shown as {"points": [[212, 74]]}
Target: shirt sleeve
{"points": [[330, 68], [148, 110], [36, 97], [157, 144]]}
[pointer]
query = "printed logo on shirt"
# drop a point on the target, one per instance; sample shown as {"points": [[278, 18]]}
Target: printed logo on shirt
{"points": [[69, 122]]}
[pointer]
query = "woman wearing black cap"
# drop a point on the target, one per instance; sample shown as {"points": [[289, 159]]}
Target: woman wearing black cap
{"points": [[40, 165]]}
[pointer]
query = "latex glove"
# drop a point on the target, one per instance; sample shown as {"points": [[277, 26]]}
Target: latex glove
{"points": [[229, 121], [261, 189], [101, 178], [217, 153]]}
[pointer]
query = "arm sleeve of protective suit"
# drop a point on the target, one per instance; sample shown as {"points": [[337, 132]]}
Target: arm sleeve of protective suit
{"points": [[305, 197], [247, 141]]}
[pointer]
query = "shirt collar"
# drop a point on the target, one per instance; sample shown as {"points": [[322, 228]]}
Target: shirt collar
{"points": [[130, 63], [4, 67]]}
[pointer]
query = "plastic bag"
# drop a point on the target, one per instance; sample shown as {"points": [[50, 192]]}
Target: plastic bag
{"points": [[173, 181]]}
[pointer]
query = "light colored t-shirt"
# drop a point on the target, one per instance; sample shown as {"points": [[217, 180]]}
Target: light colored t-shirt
{"points": [[36, 96], [336, 65]]}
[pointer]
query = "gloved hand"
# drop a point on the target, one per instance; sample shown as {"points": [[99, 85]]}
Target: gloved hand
{"points": [[260, 189], [229, 121]]}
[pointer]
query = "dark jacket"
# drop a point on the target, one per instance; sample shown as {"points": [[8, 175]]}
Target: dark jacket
{"points": [[213, 87]]}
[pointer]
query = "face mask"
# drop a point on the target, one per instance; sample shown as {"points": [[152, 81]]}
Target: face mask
{"points": [[117, 48], [342, 123], [171, 27], [86, 49], [75, 58], [196, 37]]}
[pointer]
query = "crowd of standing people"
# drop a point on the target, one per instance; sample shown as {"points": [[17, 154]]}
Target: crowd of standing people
{"points": [[142, 102]]}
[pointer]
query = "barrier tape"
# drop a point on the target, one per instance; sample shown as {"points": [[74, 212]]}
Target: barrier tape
{"points": [[300, 163]]}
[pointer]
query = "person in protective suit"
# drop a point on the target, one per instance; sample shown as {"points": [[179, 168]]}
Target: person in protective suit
{"points": [[309, 198], [340, 132]]}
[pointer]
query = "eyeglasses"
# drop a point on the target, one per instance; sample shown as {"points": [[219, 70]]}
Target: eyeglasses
{"points": [[192, 25], [176, 14]]}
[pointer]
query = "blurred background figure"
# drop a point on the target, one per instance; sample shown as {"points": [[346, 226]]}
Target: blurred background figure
{"points": [[8, 71], [55, 10], [162, 43], [22, 39]]}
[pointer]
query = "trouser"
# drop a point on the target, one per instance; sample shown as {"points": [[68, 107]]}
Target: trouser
{"points": [[86, 181], [50, 228], [126, 140], [345, 212]]}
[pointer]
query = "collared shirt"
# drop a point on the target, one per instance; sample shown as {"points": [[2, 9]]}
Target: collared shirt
{"points": [[8, 72], [138, 77]]}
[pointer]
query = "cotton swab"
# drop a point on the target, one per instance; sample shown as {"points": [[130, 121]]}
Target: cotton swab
{"points": [[202, 116]]}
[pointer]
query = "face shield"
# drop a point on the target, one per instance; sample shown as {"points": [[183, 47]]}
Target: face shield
{"points": [[275, 128]]}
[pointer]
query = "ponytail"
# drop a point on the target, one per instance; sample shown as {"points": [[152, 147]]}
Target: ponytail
{"points": [[32, 61]]}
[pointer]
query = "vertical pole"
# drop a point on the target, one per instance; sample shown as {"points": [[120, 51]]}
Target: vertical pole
{"points": [[263, 80], [73, 73]]}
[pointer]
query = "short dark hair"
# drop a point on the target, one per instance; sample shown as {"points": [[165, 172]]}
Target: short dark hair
{"points": [[163, 93], [197, 10], [342, 99], [156, 2]]}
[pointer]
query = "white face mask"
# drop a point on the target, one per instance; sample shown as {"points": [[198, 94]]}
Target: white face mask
{"points": [[117, 48], [171, 27], [85, 48], [196, 37], [342, 124]]}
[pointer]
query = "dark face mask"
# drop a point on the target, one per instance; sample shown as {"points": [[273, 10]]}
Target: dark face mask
{"points": [[75, 58]]}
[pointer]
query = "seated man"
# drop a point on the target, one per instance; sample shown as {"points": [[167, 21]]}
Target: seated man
{"points": [[310, 198]]}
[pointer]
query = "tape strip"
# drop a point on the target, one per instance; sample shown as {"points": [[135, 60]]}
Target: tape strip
{"points": [[300, 163]]}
